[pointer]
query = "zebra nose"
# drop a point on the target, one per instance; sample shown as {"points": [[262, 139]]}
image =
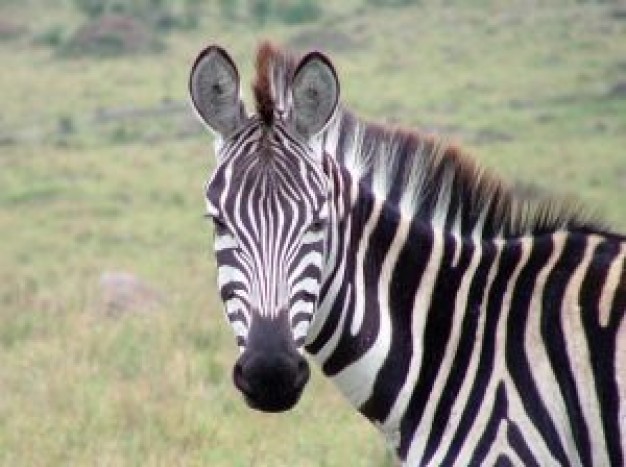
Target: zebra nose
{"points": [[271, 382]]}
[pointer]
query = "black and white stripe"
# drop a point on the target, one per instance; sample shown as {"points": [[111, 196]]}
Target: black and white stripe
{"points": [[263, 193]]}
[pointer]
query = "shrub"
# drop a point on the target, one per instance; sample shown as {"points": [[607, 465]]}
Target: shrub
{"points": [[52, 37], [156, 13], [302, 11]]}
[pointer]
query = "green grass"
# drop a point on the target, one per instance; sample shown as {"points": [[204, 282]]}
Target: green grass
{"points": [[79, 387]]}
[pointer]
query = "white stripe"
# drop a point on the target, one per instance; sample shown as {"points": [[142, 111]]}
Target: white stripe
{"points": [[413, 184], [307, 285], [359, 281], [499, 364], [300, 330], [331, 344], [311, 258], [326, 305], [518, 414], [224, 242], [580, 358], [540, 367], [472, 368], [459, 313], [421, 305], [611, 285], [356, 380], [501, 446]]}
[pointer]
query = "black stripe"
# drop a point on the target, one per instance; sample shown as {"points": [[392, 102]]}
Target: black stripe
{"points": [[350, 348], [503, 461], [331, 322], [464, 351], [519, 445], [619, 302], [405, 280], [436, 335], [310, 271], [336, 244], [498, 413], [334, 315], [346, 136], [238, 316], [602, 343], [509, 258], [405, 151], [554, 339], [516, 359], [302, 296], [300, 317]]}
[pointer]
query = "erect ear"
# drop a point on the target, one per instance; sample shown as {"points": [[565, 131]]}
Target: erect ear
{"points": [[315, 93], [214, 89]]}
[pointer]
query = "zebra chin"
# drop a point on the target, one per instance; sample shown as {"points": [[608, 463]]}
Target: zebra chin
{"points": [[273, 404]]}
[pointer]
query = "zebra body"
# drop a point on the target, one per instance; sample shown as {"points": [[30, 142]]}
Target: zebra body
{"points": [[470, 327]]}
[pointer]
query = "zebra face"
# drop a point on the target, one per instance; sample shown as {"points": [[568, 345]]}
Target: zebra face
{"points": [[268, 199]]}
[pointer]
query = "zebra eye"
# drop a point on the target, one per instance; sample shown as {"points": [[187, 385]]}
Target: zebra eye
{"points": [[317, 226], [229, 295], [219, 227]]}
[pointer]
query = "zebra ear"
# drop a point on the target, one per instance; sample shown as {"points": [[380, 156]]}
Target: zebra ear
{"points": [[315, 93], [214, 90]]}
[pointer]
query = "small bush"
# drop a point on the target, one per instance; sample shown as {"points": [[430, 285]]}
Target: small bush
{"points": [[228, 9], [393, 3], [303, 11], [66, 125], [51, 37], [286, 11], [159, 14], [261, 11], [92, 8]]}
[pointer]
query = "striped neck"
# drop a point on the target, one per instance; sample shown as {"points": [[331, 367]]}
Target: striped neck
{"points": [[402, 303]]}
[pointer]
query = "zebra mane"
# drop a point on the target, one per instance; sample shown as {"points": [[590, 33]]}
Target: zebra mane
{"points": [[422, 175], [274, 70]]}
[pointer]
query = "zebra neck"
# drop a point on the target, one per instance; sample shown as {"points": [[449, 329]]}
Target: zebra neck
{"points": [[395, 300]]}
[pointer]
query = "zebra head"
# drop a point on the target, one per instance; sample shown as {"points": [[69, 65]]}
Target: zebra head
{"points": [[268, 198]]}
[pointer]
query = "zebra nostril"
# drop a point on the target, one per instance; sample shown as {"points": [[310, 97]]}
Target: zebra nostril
{"points": [[303, 374], [240, 380]]}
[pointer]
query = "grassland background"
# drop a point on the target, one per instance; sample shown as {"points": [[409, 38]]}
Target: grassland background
{"points": [[530, 88]]}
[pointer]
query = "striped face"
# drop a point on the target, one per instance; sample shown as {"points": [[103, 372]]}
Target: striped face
{"points": [[268, 202], [267, 199]]}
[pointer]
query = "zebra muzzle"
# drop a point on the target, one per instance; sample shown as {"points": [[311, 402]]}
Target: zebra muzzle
{"points": [[271, 382]]}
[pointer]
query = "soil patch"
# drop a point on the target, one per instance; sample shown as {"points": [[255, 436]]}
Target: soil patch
{"points": [[123, 292], [10, 30]]}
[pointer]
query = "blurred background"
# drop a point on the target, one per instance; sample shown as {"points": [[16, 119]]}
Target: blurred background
{"points": [[113, 349]]}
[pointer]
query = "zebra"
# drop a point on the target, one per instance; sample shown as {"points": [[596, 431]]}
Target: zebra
{"points": [[470, 325]]}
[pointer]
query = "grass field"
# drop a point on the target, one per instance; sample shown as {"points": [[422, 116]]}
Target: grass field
{"points": [[533, 91]]}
